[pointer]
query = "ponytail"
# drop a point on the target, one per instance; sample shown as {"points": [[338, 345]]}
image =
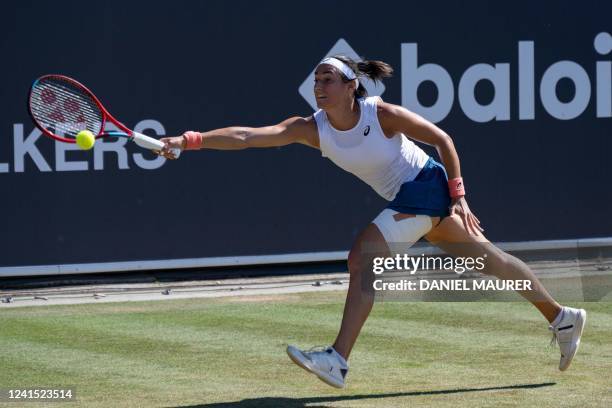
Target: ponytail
{"points": [[375, 70]]}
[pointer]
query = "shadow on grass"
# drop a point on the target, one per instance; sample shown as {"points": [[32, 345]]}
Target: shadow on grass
{"points": [[305, 402]]}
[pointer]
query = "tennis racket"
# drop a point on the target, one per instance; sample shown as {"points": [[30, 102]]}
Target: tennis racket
{"points": [[61, 107]]}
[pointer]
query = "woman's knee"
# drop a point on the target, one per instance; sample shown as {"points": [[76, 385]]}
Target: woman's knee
{"points": [[369, 245], [355, 262]]}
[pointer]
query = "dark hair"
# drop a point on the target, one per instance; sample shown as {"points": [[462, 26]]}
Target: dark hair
{"points": [[375, 70]]}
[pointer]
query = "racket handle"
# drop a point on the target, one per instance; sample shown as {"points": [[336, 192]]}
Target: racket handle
{"points": [[147, 142], [151, 143]]}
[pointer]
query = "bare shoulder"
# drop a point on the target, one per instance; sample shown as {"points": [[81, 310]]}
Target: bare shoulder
{"points": [[389, 116], [397, 119], [299, 122], [388, 110], [304, 129]]}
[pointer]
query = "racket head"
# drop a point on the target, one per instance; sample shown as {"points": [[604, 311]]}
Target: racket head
{"points": [[61, 107]]}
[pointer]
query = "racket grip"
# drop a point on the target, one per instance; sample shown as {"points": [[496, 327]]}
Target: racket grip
{"points": [[147, 142], [151, 143]]}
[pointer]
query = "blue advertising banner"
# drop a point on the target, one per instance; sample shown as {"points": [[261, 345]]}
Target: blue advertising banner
{"points": [[523, 88]]}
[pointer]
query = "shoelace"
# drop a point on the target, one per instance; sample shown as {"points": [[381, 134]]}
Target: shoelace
{"points": [[554, 341], [317, 349]]}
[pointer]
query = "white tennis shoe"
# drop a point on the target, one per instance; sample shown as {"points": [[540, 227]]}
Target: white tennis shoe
{"points": [[567, 334], [324, 362]]}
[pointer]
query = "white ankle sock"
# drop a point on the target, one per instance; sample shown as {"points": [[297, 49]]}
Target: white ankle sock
{"points": [[558, 318]]}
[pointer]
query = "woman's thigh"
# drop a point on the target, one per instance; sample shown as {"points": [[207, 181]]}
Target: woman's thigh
{"points": [[451, 236]]}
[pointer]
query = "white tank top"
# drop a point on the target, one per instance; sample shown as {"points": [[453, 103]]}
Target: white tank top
{"points": [[383, 163]]}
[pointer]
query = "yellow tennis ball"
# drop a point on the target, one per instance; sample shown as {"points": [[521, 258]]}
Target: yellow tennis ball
{"points": [[85, 139]]}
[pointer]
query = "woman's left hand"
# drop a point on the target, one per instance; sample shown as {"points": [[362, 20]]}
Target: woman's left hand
{"points": [[460, 207]]}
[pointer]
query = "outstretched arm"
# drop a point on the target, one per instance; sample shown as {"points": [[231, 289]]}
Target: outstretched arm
{"points": [[292, 130], [395, 119]]}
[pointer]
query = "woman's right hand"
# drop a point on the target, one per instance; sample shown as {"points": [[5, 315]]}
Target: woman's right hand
{"points": [[170, 145]]}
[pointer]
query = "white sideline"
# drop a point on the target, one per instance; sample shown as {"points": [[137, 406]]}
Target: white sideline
{"points": [[38, 270]]}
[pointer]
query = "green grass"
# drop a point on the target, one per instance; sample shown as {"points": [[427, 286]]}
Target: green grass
{"points": [[231, 352]]}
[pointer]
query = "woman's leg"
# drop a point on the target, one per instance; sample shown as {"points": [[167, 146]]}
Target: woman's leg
{"points": [[451, 236], [330, 364], [389, 233], [360, 296]]}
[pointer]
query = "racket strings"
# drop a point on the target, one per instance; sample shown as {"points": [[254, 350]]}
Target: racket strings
{"points": [[64, 108]]}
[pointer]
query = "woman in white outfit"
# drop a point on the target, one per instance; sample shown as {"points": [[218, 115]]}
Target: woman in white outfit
{"points": [[369, 138]]}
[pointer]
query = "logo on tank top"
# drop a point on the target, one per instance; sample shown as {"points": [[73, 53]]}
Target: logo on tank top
{"points": [[366, 130]]}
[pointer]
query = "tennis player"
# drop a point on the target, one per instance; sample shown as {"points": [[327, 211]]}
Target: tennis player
{"points": [[372, 139]]}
